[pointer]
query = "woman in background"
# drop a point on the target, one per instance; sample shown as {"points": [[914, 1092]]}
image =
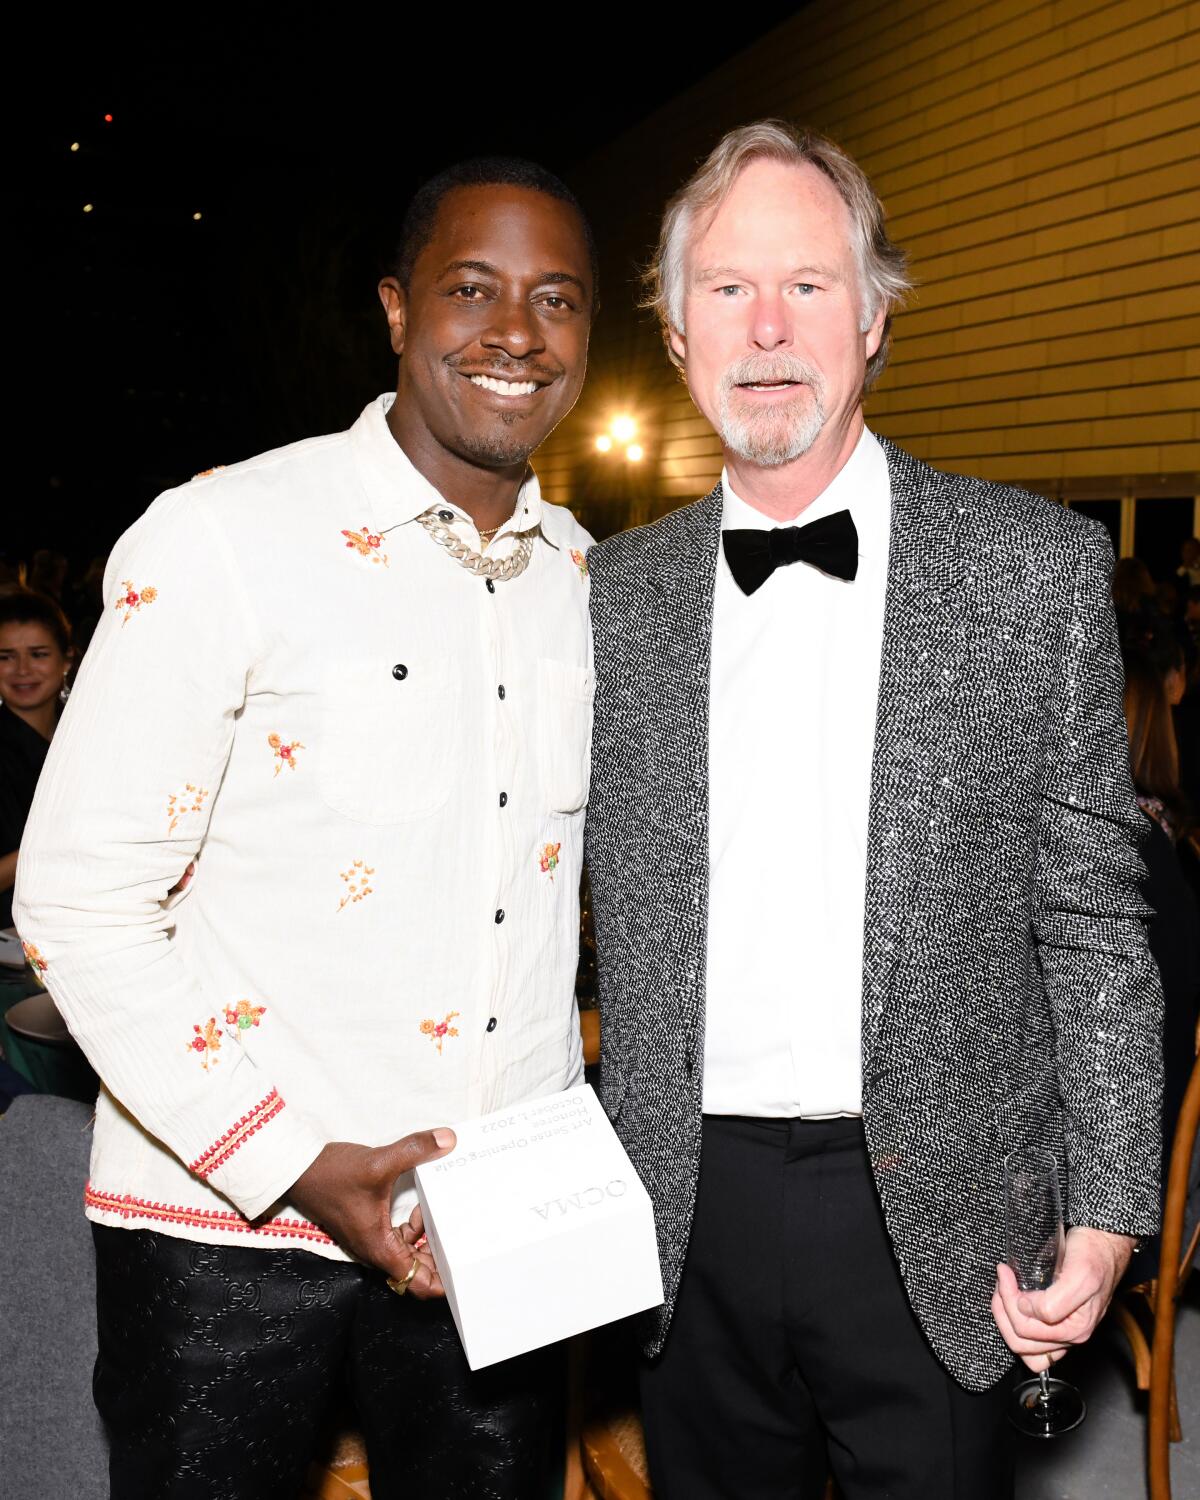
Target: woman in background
{"points": [[1174, 932], [35, 662]]}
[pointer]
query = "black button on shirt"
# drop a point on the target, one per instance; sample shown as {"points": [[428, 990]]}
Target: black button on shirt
{"points": [[491, 1025], [499, 916], [503, 799], [500, 690], [399, 671], [491, 587], [445, 515]]}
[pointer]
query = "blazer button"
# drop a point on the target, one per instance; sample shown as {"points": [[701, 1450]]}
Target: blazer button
{"points": [[499, 916], [491, 1025], [491, 587], [503, 799], [445, 515], [399, 671], [500, 690]]}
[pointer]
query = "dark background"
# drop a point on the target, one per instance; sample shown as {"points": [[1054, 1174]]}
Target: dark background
{"points": [[150, 345]]}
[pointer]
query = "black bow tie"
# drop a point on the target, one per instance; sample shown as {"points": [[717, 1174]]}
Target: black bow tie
{"points": [[829, 543]]}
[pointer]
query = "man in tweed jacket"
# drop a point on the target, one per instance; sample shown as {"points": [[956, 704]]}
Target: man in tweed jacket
{"points": [[864, 859]]}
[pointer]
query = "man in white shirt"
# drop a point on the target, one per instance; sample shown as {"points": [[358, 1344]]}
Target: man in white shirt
{"points": [[351, 680], [863, 855]]}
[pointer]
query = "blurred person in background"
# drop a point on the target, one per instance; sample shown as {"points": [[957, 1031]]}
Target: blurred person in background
{"points": [[1133, 590], [1166, 598], [1191, 618], [35, 663], [48, 573], [87, 603], [1174, 932], [1189, 562]]}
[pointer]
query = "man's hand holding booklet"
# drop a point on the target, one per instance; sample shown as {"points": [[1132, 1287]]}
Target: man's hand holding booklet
{"points": [[539, 1225]]}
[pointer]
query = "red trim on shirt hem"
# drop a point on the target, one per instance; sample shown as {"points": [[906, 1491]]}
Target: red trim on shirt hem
{"points": [[129, 1207], [237, 1135]]}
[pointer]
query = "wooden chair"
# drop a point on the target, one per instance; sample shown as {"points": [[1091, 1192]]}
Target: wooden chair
{"points": [[1146, 1312], [341, 1471]]}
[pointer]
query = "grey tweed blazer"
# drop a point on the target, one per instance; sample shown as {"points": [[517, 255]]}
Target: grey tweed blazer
{"points": [[1008, 992]]}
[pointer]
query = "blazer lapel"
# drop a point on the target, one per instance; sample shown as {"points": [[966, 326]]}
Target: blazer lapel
{"points": [[679, 638], [924, 641]]}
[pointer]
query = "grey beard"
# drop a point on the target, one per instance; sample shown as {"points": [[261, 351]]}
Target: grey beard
{"points": [[776, 436]]}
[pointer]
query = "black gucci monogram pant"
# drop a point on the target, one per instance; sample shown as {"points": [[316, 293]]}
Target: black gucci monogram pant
{"points": [[218, 1364]]}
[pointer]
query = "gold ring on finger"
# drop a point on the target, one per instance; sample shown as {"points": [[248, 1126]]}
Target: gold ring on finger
{"points": [[399, 1284]]}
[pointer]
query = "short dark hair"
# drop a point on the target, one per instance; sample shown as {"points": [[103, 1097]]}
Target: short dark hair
{"points": [[482, 171], [25, 607]]}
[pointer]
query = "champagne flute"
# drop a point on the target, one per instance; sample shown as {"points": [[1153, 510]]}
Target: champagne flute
{"points": [[1042, 1406]]}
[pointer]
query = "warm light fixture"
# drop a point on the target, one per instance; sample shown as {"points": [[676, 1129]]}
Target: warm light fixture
{"points": [[87, 208], [74, 145], [622, 430], [108, 119], [197, 216]]}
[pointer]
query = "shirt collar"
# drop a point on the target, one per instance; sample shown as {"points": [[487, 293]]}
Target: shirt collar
{"points": [[854, 483], [399, 492]]}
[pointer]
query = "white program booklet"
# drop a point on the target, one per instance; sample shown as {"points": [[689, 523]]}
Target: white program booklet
{"points": [[540, 1226]]}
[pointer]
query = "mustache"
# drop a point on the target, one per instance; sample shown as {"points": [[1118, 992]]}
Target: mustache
{"points": [[526, 371], [770, 369]]}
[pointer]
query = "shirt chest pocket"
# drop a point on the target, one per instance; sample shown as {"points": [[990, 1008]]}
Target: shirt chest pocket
{"points": [[390, 738], [566, 693]]}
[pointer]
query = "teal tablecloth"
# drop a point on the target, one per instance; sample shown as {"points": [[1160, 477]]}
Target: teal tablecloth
{"points": [[51, 1067]]}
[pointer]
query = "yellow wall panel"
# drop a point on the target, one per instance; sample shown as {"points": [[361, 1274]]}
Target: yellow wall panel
{"points": [[1041, 164]]}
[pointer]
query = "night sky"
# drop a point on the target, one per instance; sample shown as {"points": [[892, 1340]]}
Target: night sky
{"points": [[151, 344]]}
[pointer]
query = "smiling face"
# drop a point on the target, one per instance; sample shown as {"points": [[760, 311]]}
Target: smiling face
{"points": [[493, 327], [32, 666], [773, 347]]}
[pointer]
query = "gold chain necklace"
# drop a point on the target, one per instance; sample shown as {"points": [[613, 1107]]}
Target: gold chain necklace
{"points": [[499, 569]]}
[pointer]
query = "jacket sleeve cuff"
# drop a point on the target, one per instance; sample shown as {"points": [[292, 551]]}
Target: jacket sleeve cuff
{"points": [[260, 1156]]}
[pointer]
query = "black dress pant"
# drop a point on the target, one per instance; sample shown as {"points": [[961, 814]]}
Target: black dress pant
{"points": [[218, 1366], [793, 1349]]}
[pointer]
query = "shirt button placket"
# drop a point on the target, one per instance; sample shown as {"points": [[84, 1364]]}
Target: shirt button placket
{"points": [[506, 841]]}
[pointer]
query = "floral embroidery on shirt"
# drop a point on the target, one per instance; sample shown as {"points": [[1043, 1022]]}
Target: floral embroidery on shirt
{"points": [[35, 960], [548, 859], [367, 543], [207, 1042], [285, 752], [244, 1014], [190, 800], [580, 561], [357, 880], [131, 600], [438, 1031]]}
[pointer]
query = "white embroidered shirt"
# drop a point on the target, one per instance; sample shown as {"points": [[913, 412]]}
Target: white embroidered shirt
{"points": [[379, 763]]}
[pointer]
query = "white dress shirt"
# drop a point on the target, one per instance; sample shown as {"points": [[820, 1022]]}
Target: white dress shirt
{"points": [[380, 766], [795, 677]]}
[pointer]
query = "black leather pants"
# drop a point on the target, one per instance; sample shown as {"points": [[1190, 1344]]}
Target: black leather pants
{"points": [[218, 1365]]}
